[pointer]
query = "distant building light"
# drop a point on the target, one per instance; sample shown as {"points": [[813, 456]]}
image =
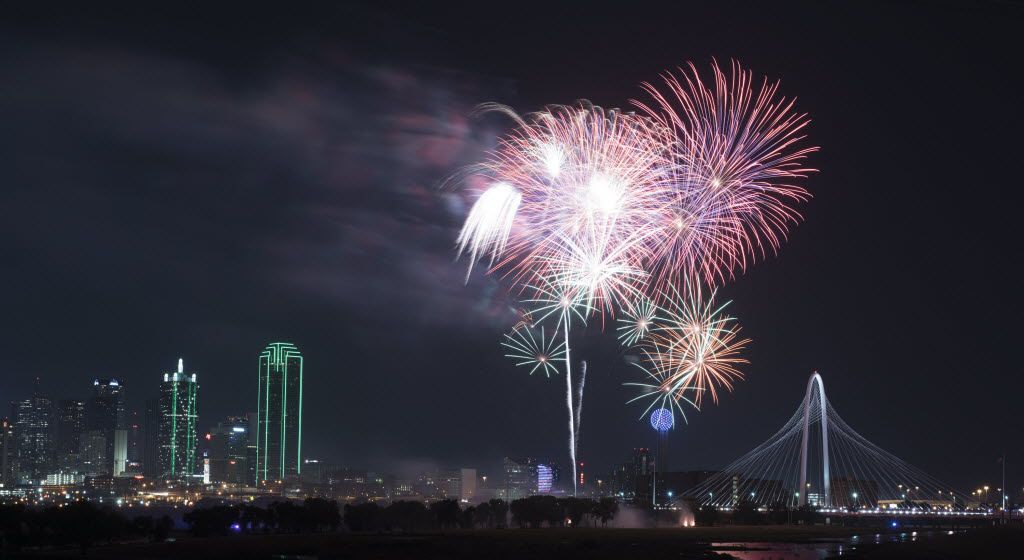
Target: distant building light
{"points": [[238, 429]]}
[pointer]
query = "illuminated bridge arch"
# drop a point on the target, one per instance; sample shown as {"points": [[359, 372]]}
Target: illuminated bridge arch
{"points": [[815, 380], [845, 470]]}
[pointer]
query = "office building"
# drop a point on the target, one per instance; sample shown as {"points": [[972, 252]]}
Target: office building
{"points": [[8, 453], [229, 443], [114, 390], [92, 453], [136, 443], [467, 485], [520, 478], [70, 425], [250, 451], [34, 430], [178, 417], [279, 413], [151, 439], [104, 412]]}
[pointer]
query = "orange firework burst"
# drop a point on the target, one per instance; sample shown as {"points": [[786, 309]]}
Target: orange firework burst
{"points": [[693, 348]]}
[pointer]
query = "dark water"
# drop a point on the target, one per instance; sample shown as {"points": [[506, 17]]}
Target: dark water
{"points": [[818, 549]]}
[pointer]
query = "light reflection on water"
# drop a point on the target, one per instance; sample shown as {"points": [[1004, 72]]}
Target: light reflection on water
{"points": [[815, 549]]}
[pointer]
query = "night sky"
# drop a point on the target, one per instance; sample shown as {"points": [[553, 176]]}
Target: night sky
{"points": [[196, 185]]}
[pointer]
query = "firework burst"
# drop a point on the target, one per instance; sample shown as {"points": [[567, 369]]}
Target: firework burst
{"points": [[660, 368], [693, 348], [599, 212], [528, 350], [488, 224], [738, 162], [576, 193], [636, 321]]}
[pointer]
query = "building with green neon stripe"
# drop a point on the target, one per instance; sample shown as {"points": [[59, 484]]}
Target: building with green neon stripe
{"points": [[178, 417], [279, 416]]}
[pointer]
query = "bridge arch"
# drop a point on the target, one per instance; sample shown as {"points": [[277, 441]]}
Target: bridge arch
{"points": [[815, 380]]}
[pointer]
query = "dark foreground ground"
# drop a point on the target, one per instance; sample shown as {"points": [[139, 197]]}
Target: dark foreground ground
{"points": [[748, 543]]}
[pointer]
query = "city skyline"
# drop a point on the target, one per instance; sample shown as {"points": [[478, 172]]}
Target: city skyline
{"points": [[215, 203]]}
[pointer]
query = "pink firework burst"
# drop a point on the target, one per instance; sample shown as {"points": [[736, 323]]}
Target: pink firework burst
{"points": [[738, 161]]}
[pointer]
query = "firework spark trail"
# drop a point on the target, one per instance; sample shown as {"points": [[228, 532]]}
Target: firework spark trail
{"points": [[579, 403], [568, 402]]}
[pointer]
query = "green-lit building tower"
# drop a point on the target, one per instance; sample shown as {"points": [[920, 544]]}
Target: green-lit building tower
{"points": [[279, 416], [178, 416]]}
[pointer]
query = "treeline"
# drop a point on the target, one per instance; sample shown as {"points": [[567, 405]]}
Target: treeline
{"points": [[79, 524], [312, 515], [83, 524], [533, 512], [748, 513]]}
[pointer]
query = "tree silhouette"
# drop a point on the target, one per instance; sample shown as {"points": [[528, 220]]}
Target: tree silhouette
{"points": [[499, 512], [447, 513], [362, 517], [605, 510]]}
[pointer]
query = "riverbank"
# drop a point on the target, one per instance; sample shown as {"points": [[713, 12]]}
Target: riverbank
{"points": [[567, 544]]}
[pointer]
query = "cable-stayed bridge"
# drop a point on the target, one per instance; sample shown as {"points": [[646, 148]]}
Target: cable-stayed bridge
{"points": [[816, 459]]}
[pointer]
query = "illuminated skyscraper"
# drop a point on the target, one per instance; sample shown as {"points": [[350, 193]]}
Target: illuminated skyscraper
{"points": [[279, 416], [178, 416], [34, 432]]}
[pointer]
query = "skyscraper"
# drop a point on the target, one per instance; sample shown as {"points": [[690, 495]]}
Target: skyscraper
{"points": [[70, 425], [113, 389], [92, 453], [135, 443], [250, 451], [279, 416], [8, 453], [104, 413], [178, 416], [151, 439], [34, 432], [229, 442], [641, 473]]}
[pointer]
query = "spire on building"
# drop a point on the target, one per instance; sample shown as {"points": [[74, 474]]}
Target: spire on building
{"points": [[181, 366]]}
